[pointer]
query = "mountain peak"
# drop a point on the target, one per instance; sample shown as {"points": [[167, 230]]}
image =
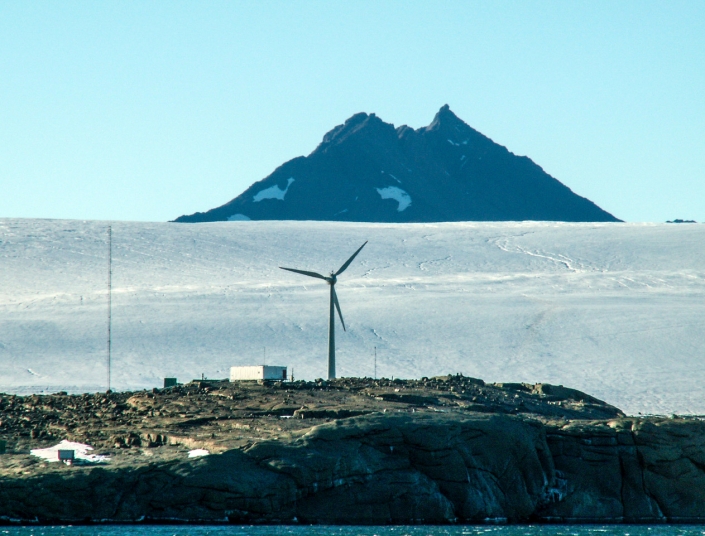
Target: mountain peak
{"points": [[445, 117], [366, 170], [353, 125], [446, 112]]}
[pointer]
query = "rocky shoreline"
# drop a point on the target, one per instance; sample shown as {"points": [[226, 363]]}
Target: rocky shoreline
{"points": [[350, 451]]}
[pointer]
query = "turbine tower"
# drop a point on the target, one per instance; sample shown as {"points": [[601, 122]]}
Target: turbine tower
{"points": [[332, 279]]}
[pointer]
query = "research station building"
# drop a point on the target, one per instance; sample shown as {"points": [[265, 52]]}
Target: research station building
{"points": [[258, 372]]}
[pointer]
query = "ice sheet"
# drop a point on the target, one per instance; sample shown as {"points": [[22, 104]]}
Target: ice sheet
{"points": [[614, 309]]}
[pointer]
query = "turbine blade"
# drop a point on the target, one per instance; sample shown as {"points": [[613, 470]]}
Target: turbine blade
{"points": [[337, 306], [347, 263], [304, 272]]}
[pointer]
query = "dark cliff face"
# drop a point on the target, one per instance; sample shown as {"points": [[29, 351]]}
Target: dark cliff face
{"points": [[366, 170], [399, 469]]}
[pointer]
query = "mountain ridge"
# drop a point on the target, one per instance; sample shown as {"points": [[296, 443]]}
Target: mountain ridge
{"points": [[368, 170]]}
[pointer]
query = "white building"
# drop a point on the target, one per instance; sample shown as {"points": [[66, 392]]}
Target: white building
{"points": [[257, 372]]}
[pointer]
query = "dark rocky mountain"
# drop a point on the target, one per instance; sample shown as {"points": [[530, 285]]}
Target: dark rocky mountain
{"points": [[367, 170]]}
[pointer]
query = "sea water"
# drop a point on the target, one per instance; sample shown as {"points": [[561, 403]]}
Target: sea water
{"points": [[322, 530]]}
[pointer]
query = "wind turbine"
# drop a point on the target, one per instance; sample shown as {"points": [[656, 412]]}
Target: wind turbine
{"points": [[332, 279]]}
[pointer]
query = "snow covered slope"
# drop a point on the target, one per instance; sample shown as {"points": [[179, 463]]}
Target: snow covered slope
{"points": [[614, 309]]}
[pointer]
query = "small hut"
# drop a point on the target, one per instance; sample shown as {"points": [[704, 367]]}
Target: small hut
{"points": [[258, 372]]}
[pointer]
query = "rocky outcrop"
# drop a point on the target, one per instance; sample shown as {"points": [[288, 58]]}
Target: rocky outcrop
{"points": [[410, 467], [631, 470]]}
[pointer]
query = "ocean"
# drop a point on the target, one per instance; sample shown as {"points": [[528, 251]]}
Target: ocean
{"points": [[322, 530]]}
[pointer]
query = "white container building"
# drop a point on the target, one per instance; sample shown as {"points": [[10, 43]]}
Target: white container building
{"points": [[258, 372]]}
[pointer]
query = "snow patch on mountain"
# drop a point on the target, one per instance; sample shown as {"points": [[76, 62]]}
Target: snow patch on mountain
{"points": [[393, 177], [273, 192], [238, 217], [396, 193]]}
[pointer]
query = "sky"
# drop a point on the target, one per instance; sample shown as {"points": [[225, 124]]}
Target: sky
{"points": [[145, 111]]}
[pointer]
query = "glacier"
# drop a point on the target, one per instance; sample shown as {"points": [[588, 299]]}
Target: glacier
{"points": [[613, 309]]}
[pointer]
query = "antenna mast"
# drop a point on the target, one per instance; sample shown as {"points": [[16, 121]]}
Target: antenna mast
{"points": [[110, 296], [375, 362]]}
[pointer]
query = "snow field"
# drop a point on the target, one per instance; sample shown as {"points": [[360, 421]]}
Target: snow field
{"points": [[616, 310]]}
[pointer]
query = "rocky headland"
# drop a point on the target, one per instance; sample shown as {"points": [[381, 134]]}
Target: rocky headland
{"points": [[355, 451]]}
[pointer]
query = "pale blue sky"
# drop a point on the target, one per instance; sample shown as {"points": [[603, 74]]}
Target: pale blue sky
{"points": [[150, 110]]}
